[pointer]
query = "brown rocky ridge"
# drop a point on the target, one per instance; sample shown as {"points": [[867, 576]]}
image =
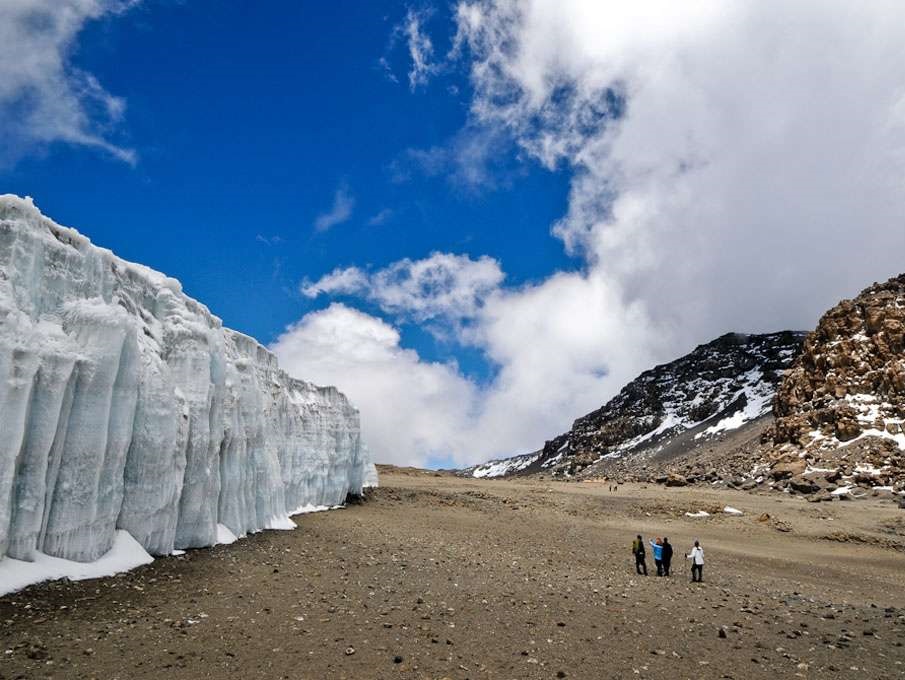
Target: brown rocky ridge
{"points": [[839, 406]]}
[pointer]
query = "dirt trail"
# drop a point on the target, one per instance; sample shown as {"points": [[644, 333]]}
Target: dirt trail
{"points": [[438, 577]]}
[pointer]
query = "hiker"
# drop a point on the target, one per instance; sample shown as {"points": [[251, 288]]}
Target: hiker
{"points": [[697, 562], [640, 555], [667, 556], [657, 547]]}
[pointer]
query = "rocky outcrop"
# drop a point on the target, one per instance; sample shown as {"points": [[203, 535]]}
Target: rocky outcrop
{"points": [[840, 411], [850, 378], [839, 428]]}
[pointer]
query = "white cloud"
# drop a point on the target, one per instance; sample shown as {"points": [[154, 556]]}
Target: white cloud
{"points": [[421, 50], [43, 98], [348, 281], [736, 166], [447, 286], [476, 159], [381, 217], [339, 212], [410, 409], [756, 173], [562, 347]]}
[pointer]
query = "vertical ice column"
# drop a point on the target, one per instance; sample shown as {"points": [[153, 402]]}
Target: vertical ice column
{"points": [[155, 463], [86, 499], [189, 359], [46, 425], [252, 491], [18, 367]]}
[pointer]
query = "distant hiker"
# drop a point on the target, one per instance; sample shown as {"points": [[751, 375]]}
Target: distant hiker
{"points": [[697, 562], [667, 556], [640, 555], [658, 555]]}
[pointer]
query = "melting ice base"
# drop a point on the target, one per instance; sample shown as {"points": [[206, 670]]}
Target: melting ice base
{"points": [[125, 405]]}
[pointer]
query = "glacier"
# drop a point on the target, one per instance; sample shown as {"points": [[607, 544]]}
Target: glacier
{"points": [[125, 405]]}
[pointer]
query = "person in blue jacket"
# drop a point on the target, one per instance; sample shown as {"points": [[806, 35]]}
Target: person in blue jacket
{"points": [[657, 547], [667, 556]]}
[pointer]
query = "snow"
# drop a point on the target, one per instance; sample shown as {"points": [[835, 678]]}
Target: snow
{"points": [[308, 509], [281, 523], [125, 554], [225, 536], [728, 510], [126, 405], [698, 514], [842, 491], [868, 469], [874, 416], [501, 468], [758, 398]]}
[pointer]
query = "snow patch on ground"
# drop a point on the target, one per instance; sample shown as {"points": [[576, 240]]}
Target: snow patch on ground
{"points": [[728, 510], [125, 554], [281, 523], [225, 536], [308, 509]]}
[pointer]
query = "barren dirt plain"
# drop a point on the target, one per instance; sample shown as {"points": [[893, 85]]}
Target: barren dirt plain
{"points": [[440, 577]]}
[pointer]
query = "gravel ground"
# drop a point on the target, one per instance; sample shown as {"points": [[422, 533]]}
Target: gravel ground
{"points": [[438, 577]]}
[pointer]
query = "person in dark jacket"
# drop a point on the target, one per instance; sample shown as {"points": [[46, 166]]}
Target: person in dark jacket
{"points": [[667, 556], [640, 555]]}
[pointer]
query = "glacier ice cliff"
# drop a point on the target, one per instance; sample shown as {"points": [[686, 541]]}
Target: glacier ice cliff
{"points": [[126, 405]]}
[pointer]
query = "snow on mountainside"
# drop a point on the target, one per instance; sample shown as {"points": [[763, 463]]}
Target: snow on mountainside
{"points": [[840, 411], [715, 389], [125, 405]]}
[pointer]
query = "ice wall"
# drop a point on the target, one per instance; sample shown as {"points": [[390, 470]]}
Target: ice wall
{"points": [[125, 404]]}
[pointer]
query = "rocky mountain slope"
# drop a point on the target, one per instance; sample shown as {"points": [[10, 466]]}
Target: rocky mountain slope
{"points": [[840, 411], [125, 405], [717, 388], [839, 426]]}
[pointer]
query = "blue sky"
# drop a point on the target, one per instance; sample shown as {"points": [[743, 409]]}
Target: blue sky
{"points": [[246, 123], [478, 218]]}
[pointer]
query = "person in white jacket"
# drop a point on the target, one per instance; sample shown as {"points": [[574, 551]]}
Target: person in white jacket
{"points": [[697, 562]]}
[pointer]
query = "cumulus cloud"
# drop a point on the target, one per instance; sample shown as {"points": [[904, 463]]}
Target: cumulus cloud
{"points": [[561, 347], [735, 166], [452, 287], [339, 212], [43, 97], [411, 409]]}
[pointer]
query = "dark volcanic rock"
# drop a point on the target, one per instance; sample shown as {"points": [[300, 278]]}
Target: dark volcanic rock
{"points": [[714, 389], [724, 383]]}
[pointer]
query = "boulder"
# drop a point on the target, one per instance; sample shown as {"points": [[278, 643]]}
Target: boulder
{"points": [[803, 485], [785, 470], [676, 480]]}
